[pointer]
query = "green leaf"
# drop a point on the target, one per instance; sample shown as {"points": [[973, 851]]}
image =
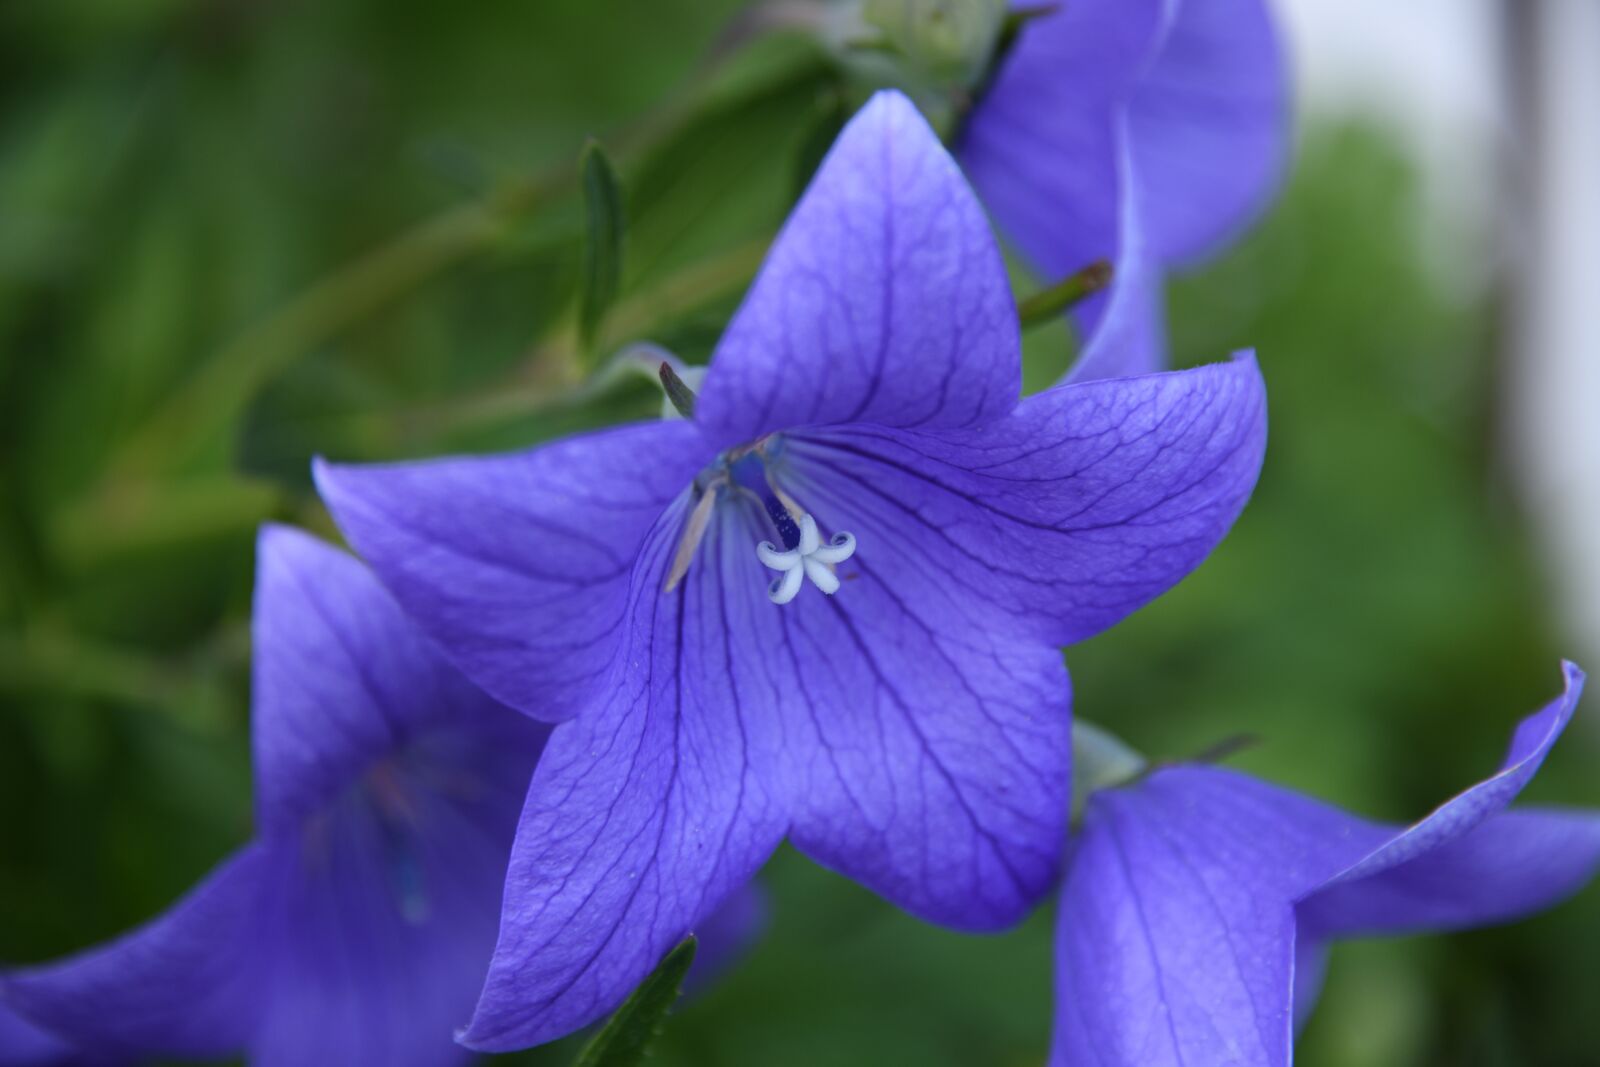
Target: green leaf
{"points": [[724, 176], [602, 243], [625, 1038]]}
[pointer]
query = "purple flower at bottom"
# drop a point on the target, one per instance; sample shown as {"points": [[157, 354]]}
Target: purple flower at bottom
{"points": [[829, 605], [1199, 902], [357, 926], [1143, 132]]}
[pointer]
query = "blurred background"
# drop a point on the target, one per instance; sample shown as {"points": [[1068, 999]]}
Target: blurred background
{"points": [[234, 234]]}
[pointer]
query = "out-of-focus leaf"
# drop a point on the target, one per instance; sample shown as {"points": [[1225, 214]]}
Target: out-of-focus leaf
{"points": [[603, 234], [626, 1036], [134, 516], [832, 112], [724, 175]]}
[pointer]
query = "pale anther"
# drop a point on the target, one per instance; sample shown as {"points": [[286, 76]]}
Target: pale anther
{"points": [[810, 558]]}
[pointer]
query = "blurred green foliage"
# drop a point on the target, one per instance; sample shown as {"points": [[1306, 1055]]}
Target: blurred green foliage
{"points": [[234, 235]]}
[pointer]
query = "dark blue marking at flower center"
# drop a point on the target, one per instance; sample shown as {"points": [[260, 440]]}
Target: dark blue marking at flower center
{"points": [[393, 807], [749, 471], [782, 520], [406, 880]]}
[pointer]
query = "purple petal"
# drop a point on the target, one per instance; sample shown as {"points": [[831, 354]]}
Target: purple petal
{"points": [[1209, 123], [1529, 745], [1092, 499], [1176, 942], [645, 814], [389, 910], [1509, 866], [24, 1045], [188, 983], [341, 678], [884, 299], [926, 733], [926, 729], [929, 738], [1041, 146], [518, 565], [1203, 88], [1180, 940], [1470, 861], [1123, 327]]}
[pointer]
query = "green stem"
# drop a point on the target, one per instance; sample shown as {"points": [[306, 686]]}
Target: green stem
{"points": [[1046, 304], [199, 415], [552, 379], [1225, 749]]}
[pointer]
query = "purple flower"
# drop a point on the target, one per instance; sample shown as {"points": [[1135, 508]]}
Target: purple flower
{"points": [[1144, 132], [909, 730], [357, 927], [1199, 902]]}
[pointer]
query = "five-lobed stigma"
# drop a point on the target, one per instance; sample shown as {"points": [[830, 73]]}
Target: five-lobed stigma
{"points": [[810, 558]]}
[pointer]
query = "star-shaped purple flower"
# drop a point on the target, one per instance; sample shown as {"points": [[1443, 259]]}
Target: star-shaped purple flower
{"points": [[1142, 132], [357, 927], [828, 606], [1199, 902]]}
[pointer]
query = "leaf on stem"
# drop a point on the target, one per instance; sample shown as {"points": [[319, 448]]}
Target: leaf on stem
{"points": [[626, 1036], [601, 273]]}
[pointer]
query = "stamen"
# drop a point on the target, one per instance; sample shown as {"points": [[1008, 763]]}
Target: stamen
{"points": [[694, 531], [808, 559]]}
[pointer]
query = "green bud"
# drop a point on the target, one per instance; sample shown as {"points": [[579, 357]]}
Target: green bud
{"points": [[680, 394], [1100, 760], [950, 39]]}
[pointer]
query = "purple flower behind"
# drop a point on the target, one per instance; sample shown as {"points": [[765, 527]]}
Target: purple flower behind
{"points": [[1143, 132], [1199, 902], [910, 730], [357, 927]]}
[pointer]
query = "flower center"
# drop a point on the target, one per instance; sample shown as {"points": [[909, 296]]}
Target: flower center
{"points": [[745, 475]]}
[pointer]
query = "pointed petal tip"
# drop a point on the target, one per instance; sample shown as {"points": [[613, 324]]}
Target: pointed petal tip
{"points": [[1536, 734], [329, 479], [1574, 676], [891, 113], [1531, 741], [484, 1033], [461, 1036], [277, 540], [890, 103], [890, 237]]}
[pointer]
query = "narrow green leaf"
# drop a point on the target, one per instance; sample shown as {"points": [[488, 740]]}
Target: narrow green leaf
{"points": [[625, 1038], [602, 243]]}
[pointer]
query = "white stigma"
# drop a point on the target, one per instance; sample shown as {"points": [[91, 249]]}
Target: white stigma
{"points": [[809, 559]]}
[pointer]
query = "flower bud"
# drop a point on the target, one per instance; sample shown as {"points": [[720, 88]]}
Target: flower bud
{"points": [[950, 39]]}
